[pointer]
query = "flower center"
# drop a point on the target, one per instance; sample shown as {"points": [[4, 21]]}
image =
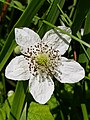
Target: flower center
{"points": [[42, 59]]}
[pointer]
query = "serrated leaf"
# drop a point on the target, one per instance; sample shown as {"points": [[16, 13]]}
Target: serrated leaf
{"points": [[39, 112]]}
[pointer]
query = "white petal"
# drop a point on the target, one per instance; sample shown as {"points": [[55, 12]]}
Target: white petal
{"points": [[58, 40], [70, 71], [18, 69], [26, 38], [41, 88]]}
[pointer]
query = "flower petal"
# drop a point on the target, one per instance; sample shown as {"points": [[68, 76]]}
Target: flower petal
{"points": [[41, 88], [18, 69], [69, 71], [58, 40], [26, 38]]}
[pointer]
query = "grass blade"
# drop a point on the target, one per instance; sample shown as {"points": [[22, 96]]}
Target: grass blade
{"points": [[84, 111], [80, 14], [18, 101], [52, 15]]}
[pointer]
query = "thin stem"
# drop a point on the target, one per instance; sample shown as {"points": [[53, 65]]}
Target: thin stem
{"points": [[64, 32], [65, 15]]}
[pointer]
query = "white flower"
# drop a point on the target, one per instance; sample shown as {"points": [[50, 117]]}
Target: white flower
{"points": [[41, 60]]}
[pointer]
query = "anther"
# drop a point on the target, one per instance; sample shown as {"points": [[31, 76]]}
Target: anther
{"points": [[28, 50]]}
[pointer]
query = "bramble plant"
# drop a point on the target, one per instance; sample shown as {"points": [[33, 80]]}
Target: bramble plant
{"points": [[41, 61]]}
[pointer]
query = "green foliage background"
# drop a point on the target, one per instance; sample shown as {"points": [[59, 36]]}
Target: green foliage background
{"points": [[69, 101]]}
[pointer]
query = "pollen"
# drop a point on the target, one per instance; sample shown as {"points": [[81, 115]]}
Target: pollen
{"points": [[42, 59]]}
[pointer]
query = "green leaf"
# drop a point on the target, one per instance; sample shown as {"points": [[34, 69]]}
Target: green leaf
{"points": [[87, 25], [53, 103], [24, 113], [5, 110], [84, 111], [80, 14], [86, 36], [83, 57], [2, 115], [18, 101], [39, 112]]}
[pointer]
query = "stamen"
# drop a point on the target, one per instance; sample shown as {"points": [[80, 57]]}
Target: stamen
{"points": [[42, 59]]}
